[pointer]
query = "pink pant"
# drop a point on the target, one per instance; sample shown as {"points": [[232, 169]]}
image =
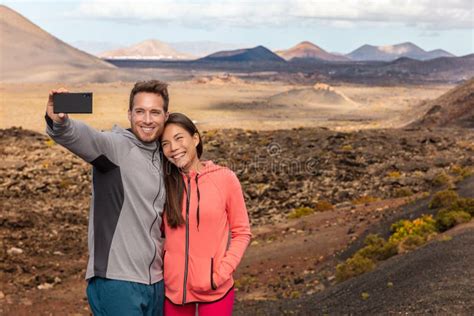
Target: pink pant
{"points": [[222, 307]]}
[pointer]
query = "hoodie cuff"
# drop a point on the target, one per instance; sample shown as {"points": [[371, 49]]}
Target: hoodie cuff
{"points": [[49, 121], [54, 128]]}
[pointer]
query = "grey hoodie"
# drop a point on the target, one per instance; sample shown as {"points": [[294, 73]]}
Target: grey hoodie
{"points": [[128, 195]]}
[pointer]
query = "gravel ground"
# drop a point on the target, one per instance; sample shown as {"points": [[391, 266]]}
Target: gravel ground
{"points": [[435, 279]]}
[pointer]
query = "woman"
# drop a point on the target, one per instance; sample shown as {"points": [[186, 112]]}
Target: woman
{"points": [[206, 225]]}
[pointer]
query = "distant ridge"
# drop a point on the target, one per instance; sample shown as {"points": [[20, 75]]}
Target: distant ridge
{"points": [[392, 52], [256, 54], [309, 50], [202, 48], [149, 49], [27, 52]]}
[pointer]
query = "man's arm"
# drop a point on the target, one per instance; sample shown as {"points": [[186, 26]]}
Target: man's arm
{"points": [[84, 141]]}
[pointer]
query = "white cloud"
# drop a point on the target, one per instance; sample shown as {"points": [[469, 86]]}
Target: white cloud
{"points": [[425, 14]]}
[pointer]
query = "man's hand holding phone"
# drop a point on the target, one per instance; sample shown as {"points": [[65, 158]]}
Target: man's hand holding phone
{"points": [[57, 117], [61, 102]]}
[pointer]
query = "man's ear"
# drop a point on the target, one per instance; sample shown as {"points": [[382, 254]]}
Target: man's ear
{"points": [[167, 115], [130, 116]]}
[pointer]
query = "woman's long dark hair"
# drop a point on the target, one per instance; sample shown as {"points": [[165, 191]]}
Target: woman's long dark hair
{"points": [[174, 182]]}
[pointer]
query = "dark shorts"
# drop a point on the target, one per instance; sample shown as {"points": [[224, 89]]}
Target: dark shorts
{"points": [[115, 297]]}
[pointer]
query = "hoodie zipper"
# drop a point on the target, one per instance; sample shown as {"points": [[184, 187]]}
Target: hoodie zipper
{"points": [[188, 197], [153, 223]]}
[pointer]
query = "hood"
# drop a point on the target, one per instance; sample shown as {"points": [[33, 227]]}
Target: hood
{"points": [[129, 134], [208, 168]]}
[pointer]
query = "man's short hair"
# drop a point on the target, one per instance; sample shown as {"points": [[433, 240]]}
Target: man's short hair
{"points": [[151, 86]]}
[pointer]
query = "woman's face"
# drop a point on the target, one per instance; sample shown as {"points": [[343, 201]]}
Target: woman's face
{"points": [[179, 146]]}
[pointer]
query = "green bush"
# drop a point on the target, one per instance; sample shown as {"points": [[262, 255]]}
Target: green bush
{"points": [[463, 204], [353, 266], [446, 219], [377, 249], [443, 199]]}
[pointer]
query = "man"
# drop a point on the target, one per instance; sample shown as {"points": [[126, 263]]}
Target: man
{"points": [[124, 271]]}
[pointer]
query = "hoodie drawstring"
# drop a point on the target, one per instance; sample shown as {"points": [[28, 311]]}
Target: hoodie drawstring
{"points": [[199, 198]]}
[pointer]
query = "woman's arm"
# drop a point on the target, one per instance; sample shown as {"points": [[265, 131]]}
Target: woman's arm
{"points": [[237, 216]]}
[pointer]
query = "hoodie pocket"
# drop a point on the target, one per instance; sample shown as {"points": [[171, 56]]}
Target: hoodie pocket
{"points": [[211, 273], [173, 271], [200, 274]]}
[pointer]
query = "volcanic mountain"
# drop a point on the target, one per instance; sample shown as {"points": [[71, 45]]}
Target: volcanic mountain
{"points": [[256, 54], [392, 52], [309, 50], [149, 49], [28, 53], [202, 48], [454, 108]]}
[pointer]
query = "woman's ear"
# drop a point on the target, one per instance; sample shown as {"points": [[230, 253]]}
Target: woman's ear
{"points": [[196, 139]]}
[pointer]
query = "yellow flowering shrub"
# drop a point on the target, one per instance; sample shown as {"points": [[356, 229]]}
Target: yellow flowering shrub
{"points": [[423, 227]]}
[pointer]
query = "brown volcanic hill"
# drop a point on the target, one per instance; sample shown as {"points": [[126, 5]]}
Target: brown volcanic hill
{"points": [[320, 95], [309, 50], [454, 108], [28, 53], [393, 52], [149, 49]]}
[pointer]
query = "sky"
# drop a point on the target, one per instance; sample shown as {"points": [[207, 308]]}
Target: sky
{"points": [[336, 26]]}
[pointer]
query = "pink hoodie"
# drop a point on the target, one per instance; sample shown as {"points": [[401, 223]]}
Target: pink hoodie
{"points": [[208, 248]]}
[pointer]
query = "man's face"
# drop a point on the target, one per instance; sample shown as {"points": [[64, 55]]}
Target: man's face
{"points": [[147, 117]]}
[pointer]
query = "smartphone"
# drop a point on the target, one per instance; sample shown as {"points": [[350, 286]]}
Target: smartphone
{"points": [[77, 102]]}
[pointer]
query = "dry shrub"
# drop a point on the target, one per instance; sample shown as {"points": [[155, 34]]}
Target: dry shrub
{"points": [[353, 266], [443, 199], [300, 212], [402, 192], [446, 219], [364, 200], [463, 204], [394, 175], [464, 172], [441, 179], [322, 206]]}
